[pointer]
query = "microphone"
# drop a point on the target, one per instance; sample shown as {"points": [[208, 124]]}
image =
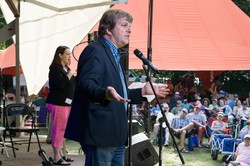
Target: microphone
{"points": [[139, 54]]}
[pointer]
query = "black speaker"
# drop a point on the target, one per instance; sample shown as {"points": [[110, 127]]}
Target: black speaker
{"points": [[142, 151]]}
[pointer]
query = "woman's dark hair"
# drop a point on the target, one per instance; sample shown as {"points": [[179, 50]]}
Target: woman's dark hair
{"points": [[57, 58], [109, 19], [206, 99]]}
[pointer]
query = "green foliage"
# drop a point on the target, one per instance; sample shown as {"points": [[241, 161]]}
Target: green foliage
{"points": [[2, 24], [232, 81], [236, 82], [244, 5], [6, 44]]}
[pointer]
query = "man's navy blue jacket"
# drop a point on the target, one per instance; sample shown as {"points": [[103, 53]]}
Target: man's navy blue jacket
{"points": [[95, 120]]}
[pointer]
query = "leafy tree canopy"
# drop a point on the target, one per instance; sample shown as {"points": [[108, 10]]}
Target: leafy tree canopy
{"points": [[244, 5]]}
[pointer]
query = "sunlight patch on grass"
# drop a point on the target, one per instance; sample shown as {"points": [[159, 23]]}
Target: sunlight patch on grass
{"points": [[200, 157]]}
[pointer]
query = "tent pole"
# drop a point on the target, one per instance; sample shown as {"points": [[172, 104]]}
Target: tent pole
{"points": [[149, 51], [150, 27], [17, 57], [17, 63]]}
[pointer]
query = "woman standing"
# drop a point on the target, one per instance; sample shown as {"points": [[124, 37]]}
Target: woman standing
{"points": [[61, 82]]}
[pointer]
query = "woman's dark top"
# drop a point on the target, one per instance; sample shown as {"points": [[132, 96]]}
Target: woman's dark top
{"points": [[61, 88]]}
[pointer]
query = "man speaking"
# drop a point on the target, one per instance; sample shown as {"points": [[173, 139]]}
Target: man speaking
{"points": [[98, 118]]}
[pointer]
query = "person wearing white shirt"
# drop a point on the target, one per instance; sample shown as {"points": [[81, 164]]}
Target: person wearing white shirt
{"points": [[244, 114], [169, 117], [243, 151]]}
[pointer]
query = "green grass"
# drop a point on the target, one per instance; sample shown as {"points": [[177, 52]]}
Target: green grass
{"points": [[198, 157], [43, 131], [170, 157], [73, 147]]}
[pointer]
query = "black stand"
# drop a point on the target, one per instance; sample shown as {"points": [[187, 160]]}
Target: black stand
{"points": [[130, 136], [46, 161], [161, 120]]}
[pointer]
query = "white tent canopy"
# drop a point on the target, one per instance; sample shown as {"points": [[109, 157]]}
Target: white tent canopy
{"points": [[46, 24]]}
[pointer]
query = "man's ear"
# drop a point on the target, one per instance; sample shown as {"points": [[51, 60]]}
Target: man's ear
{"points": [[108, 32]]}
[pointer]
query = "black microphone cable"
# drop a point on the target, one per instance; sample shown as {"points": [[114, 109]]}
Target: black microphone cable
{"points": [[75, 48]]}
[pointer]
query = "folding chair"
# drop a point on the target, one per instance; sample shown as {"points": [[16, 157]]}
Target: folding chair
{"points": [[17, 110]]}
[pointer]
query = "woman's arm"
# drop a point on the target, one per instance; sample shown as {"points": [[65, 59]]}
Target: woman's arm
{"points": [[224, 127], [212, 126]]}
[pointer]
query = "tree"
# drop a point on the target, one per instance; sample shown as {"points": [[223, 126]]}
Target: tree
{"points": [[2, 24], [236, 82], [244, 5]]}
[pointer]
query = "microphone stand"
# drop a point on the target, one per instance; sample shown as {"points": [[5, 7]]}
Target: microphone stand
{"points": [[161, 120], [130, 136]]}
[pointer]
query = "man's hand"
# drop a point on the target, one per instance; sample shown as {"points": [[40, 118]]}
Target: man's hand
{"points": [[113, 95], [161, 90]]}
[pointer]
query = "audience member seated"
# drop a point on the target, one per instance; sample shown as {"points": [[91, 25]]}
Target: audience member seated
{"points": [[226, 109], [197, 97], [235, 98], [174, 99], [169, 117], [196, 103], [205, 107], [217, 127], [40, 101], [186, 105], [176, 110], [236, 108], [243, 151], [154, 112], [246, 130], [182, 128], [39, 107], [199, 120], [244, 114], [213, 107], [227, 99]]}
